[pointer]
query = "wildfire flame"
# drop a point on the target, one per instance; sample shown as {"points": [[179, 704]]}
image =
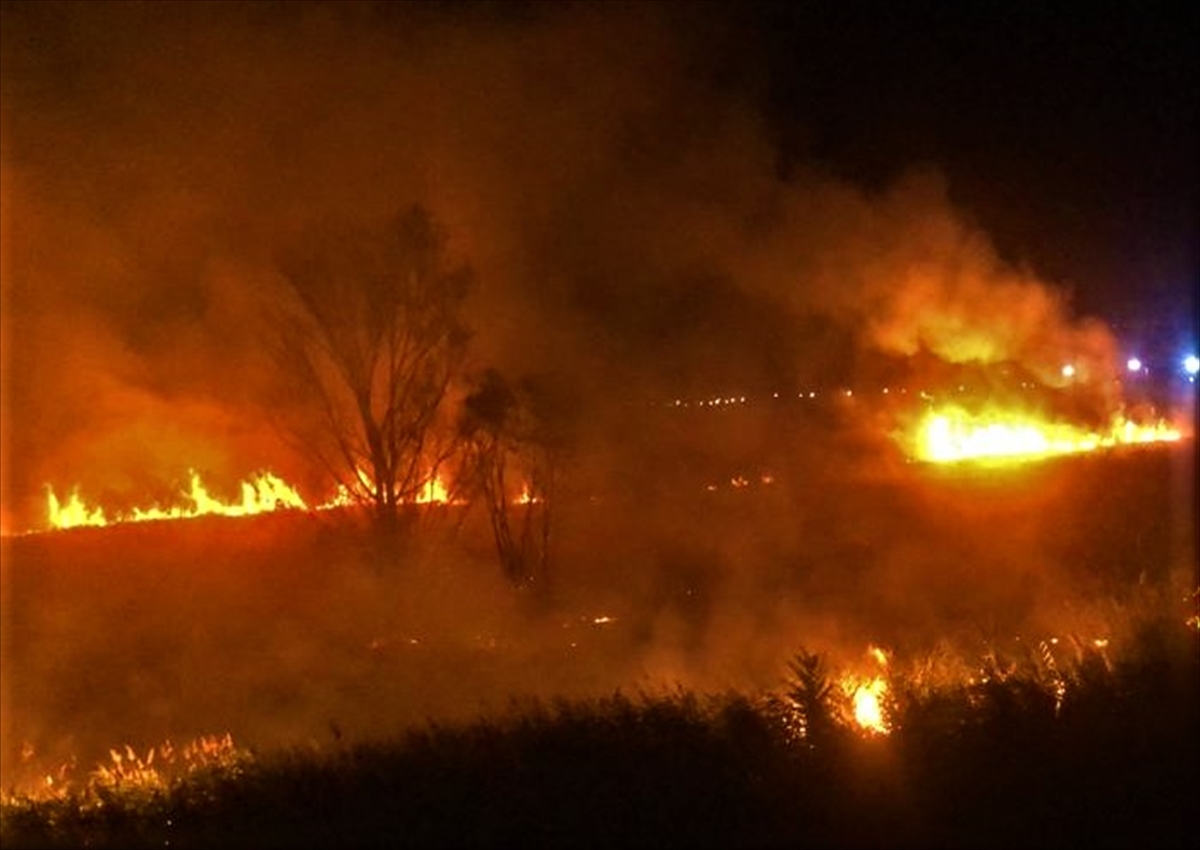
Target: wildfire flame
{"points": [[74, 513], [433, 492], [261, 493], [868, 709], [953, 434], [867, 696], [527, 496]]}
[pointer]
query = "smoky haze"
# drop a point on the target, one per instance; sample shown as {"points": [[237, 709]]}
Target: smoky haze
{"points": [[607, 171]]}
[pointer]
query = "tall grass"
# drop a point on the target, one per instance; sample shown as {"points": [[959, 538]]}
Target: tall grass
{"points": [[1058, 747]]}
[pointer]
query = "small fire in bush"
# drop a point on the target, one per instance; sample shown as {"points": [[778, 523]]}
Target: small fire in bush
{"points": [[867, 694]]}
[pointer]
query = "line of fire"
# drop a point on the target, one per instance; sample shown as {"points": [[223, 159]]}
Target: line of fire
{"points": [[1016, 421]]}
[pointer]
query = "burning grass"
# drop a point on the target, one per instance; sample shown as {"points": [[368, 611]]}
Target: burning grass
{"points": [[1049, 748], [952, 434], [262, 493], [273, 627]]}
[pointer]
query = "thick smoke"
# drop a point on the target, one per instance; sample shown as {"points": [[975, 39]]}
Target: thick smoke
{"points": [[606, 169], [608, 172]]}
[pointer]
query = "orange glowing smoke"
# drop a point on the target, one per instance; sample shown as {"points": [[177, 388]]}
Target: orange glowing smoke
{"points": [[954, 434]]}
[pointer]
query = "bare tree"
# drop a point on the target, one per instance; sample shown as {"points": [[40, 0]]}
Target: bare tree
{"points": [[371, 332], [511, 449]]}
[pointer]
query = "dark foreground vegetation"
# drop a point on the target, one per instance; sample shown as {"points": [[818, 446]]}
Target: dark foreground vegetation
{"points": [[1024, 752]]}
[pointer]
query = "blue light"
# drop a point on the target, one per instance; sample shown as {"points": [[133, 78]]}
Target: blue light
{"points": [[1191, 364]]}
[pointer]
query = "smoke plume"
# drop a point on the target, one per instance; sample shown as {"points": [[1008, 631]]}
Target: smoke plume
{"points": [[606, 169]]}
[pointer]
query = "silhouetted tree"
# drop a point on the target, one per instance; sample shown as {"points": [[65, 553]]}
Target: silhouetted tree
{"points": [[371, 331], [813, 692], [512, 442]]}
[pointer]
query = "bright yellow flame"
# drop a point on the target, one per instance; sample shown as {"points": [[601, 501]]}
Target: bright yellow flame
{"points": [[953, 434], [868, 708], [527, 497], [341, 498], [262, 493], [74, 514], [866, 695], [433, 491]]}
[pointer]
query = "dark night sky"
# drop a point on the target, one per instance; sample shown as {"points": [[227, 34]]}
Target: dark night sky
{"points": [[1070, 132]]}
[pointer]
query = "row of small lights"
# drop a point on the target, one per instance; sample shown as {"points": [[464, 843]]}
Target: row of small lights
{"points": [[721, 402], [810, 394], [1190, 365], [1135, 365]]}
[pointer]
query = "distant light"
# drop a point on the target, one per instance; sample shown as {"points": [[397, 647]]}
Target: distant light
{"points": [[1068, 371], [1133, 364], [1191, 364]]}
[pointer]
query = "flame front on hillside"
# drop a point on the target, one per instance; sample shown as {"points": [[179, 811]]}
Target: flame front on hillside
{"points": [[953, 434]]}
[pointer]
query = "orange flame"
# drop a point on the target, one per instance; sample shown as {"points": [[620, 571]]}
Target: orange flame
{"points": [[264, 492], [953, 434], [868, 709], [74, 513], [867, 695], [433, 492], [527, 496]]}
